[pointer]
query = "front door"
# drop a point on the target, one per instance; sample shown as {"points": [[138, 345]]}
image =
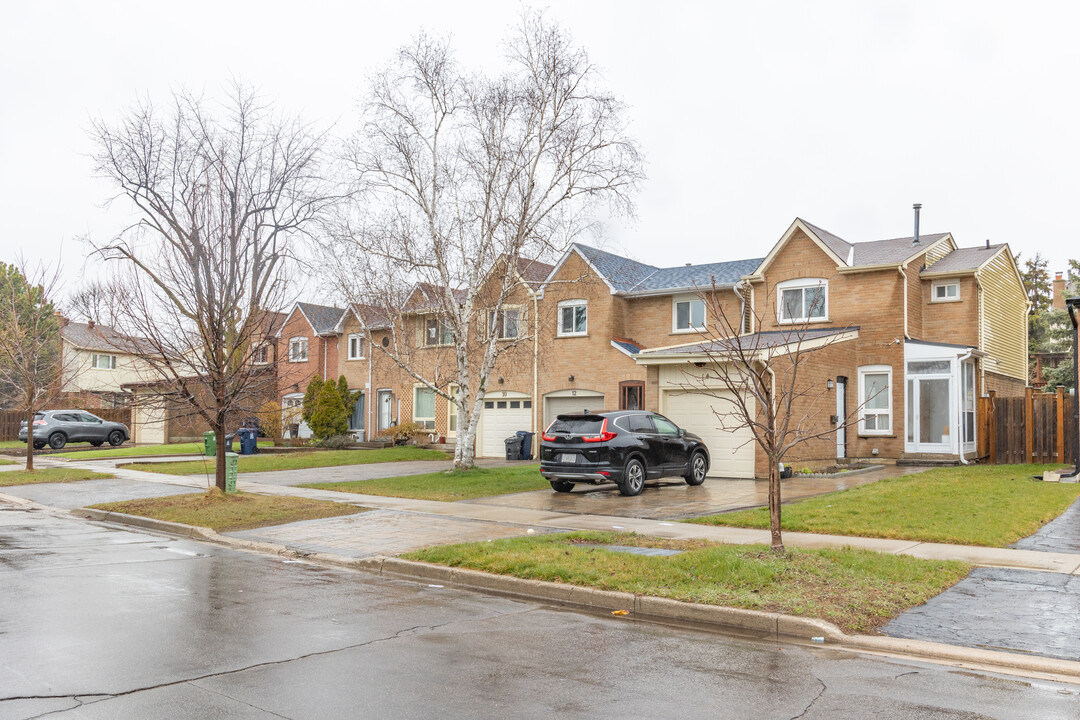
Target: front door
{"points": [[929, 413], [841, 417], [385, 399]]}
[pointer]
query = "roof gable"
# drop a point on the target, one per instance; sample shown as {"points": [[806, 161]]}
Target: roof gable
{"points": [[812, 232], [964, 260], [322, 319]]}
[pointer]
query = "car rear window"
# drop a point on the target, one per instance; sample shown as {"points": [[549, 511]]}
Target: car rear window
{"points": [[587, 425]]}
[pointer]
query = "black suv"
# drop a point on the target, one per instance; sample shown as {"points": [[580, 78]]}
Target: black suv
{"points": [[626, 447]]}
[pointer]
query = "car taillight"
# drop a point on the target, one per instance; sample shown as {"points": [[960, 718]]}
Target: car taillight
{"points": [[40, 422], [604, 435], [545, 436]]}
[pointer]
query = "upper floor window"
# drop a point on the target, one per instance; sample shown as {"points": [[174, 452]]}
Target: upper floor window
{"points": [[261, 356], [298, 349], [357, 346], [875, 398], [437, 332], [573, 317], [803, 300], [945, 291], [103, 362], [689, 313], [504, 324]]}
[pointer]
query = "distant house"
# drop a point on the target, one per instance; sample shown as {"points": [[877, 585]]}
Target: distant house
{"points": [[307, 345], [98, 361]]}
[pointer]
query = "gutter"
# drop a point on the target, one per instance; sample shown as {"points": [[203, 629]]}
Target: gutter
{"points": [[960, 409], [674, 291]]}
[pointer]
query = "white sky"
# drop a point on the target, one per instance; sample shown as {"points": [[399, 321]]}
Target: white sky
{"points": [[750, 113]]}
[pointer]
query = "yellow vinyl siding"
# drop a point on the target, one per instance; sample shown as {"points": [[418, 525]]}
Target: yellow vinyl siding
{"points": [[1003, 327], [939, 251]]}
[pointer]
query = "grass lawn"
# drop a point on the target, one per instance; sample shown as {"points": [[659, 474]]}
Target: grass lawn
{"points": [[856, 589], [447, 486], [132, 451], [10, 444], [48, 475], [7, 462], [993, 505], [224, 513], [295, 461]]}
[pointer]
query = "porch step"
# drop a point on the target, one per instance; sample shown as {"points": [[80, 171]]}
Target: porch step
{"points": [[928, 459]]}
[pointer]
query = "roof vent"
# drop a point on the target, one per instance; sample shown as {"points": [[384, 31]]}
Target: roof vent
{"points": [[687, 264], [987, 243], [917, 207]]}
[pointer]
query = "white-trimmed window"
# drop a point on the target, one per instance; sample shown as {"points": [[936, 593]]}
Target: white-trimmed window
{"points": [[687, 314], [437, 332], [945, 291], [506, 323], [573, 317], [802, 300], [875, 400], [424, 407], [298, 349], [357, 346], [261, 356], [103, 362]]}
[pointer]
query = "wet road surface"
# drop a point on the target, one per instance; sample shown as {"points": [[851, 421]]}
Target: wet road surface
{"points": [[100, 622]]}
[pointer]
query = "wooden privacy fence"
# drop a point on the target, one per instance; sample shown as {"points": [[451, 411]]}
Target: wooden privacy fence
{"points": [[11, 419], [1036, 428]]}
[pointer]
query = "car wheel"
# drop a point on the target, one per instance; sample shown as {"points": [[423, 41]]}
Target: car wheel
{"points": [[562, 485], [633, 478], [696, 471], [96, 443], [57, 441], [116, 438], [39, 445]]}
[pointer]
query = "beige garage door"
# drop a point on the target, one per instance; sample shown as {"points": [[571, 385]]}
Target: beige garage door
{"points": [[731, 452]]}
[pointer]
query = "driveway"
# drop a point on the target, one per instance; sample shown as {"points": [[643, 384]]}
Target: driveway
{"points": [[370, 471]]}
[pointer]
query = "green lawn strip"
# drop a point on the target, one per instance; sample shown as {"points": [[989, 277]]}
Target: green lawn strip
{"points": [[992, 505], [49, 475], [133, 451], [225, 513], [295, 461], [7, 462], [10, 444], [858, 590], [447, 486]]}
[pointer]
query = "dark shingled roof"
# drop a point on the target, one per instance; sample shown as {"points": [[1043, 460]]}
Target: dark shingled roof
{"points": [[894, 251], [834, 243], [103, 337], [964, 259], [760, 341], [631, 277], [534, 272], [323, 318]]}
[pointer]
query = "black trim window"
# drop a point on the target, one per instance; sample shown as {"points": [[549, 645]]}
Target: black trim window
{"points": [[631, 395]]}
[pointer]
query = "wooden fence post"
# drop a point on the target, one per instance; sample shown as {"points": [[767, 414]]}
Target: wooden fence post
{"points": [[1029, 425], [1060, 402], [992, 430]]}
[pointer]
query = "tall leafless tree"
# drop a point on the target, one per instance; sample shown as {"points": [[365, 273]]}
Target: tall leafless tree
{"points": [[465, 179], [100, 301], [31, 357], [762, 381], [222, 194]]}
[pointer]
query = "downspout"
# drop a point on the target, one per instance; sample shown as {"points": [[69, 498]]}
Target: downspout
{"points": [[536, 372], [367, 393], [979, 320], [324, 359], [960, 410], [742, 306], [904, 276]]}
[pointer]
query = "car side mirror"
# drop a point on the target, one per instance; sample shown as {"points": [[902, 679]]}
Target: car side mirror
{"points": [[681, 432]]}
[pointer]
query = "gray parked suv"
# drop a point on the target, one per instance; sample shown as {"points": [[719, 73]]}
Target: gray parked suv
{"points": [[59, 427]]}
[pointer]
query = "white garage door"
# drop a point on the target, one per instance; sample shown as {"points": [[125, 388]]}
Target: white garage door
{"points": [[731, 452], [555, 406], [149, 424], [501, 418]]}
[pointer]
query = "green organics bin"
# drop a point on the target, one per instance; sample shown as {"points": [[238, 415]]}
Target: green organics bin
{"points": [[231, 461], [209, 443]]}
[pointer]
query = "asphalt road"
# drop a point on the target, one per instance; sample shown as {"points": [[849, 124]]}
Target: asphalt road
{"points": [[98, 622]]}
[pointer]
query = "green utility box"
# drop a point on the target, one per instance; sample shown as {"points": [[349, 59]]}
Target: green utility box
{"points": [[231, 461], [209, 443]]}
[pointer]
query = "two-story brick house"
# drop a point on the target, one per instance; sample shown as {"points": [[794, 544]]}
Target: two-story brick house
{"points": [[307, 345]]}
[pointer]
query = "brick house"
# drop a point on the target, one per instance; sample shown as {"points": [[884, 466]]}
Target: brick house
{"points": [[306, 346]]}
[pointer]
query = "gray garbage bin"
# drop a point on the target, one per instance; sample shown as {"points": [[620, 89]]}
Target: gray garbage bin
{"points": [[513, 447], [526, 444]]}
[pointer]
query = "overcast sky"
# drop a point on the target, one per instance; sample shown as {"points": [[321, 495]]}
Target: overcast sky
{"points": [[749, 113]]}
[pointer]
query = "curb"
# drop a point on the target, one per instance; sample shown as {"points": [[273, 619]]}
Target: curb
{"points": [[799, 630]]}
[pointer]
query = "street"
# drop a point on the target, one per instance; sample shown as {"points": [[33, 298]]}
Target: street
{"points": [[101, 622]]}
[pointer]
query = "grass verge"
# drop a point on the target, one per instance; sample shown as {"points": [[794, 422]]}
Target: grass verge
{"points": [[294, 461], [133, 451], [224, 513], [858, 590], [447, 486], [49, 475], [991, 505]]}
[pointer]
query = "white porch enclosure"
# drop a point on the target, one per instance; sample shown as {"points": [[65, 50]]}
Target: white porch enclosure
{"points": [[939, 398]]}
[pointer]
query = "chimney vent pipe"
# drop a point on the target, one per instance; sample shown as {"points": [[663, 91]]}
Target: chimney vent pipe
{"points": [[917, 207]]}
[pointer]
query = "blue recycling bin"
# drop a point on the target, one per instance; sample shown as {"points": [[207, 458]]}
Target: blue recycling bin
{"points": [[526, 444], [248, 441]]}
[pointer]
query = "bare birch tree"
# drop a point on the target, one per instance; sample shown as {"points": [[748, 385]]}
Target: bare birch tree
{"points": [[31, 358], [465, 179], [761, 380], [222, 196]]}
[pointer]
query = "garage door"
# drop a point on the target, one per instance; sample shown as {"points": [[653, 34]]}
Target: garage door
{"points": [[149, 424], [555, 406], [731, 452], [501, 418]]}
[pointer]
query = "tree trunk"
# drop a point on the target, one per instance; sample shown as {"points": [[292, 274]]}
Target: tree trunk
{"points": [[30, 440], [774, 506], [219, 472]]}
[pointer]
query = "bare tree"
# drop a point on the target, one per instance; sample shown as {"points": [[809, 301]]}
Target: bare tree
{"points": [[222, 196], [761, 380], [31, 358], [101, 302], [465, 180]]}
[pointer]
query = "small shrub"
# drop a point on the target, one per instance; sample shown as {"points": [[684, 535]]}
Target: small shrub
{"points": [[328, 418], [338, 442], [311, 396], [402, 433]]}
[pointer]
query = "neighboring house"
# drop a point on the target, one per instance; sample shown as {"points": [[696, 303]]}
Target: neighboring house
{"points": [[910, 331], [359, 326], [97, 362], [307, 345]]}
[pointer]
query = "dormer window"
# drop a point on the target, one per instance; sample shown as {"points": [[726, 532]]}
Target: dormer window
{"points": [[688, 313], [802, 300], [945, 291]]}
